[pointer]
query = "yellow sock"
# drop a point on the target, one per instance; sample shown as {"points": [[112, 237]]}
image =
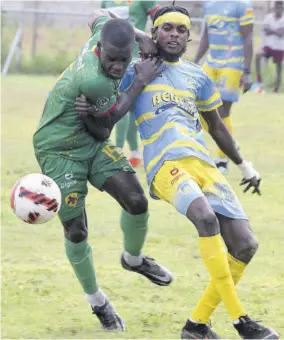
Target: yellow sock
{"points": [[210, 299], [228, 122], [215, 259]]}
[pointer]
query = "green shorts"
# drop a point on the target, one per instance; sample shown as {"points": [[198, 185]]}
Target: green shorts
{"points": [[72, 175]]}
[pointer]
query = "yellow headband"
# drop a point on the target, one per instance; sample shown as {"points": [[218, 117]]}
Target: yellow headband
{"points": [[174, 17]]}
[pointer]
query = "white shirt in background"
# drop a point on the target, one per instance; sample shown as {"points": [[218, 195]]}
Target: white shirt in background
{"points": [[273, 41]]}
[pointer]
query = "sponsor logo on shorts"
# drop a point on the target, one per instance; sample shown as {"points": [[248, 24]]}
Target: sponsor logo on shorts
{"points": [[69, 181], [72, 199], [224, 192], [176, 174]]}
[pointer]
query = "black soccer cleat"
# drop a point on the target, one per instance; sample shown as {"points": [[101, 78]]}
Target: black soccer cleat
{"points": [[249, 329], [150, 269], [193, 330], [109, 318]]}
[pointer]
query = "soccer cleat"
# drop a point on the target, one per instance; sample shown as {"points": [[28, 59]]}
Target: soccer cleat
{"points": [[249, 329], [193, 330], [109, 318], [135, 162], [150, 269]]}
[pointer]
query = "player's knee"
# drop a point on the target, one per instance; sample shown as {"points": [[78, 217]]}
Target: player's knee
{"points": [[75, 230], [207, 224], [137, 203], [245, 250]]}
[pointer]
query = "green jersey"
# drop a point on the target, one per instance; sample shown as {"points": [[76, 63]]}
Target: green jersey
{"points": [[61, 130], [135, 11]]}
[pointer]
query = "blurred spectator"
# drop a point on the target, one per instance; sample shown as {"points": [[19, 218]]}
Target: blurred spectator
{"points": [[272, 44]]}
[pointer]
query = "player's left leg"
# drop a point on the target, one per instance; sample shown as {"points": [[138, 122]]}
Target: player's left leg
{"points": [[228, 82], [241, 245], [121, 131], [278, 64], [112, 173], [132, 139]]}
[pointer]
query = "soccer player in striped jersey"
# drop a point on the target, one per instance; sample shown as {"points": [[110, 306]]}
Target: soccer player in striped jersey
{"points": [[228, 38]]}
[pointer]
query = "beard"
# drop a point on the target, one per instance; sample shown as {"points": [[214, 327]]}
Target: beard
{"points": [[169, 56]]}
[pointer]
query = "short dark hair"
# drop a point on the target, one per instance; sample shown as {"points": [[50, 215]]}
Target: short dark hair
{"points": [[118, 32], [168, 9]]}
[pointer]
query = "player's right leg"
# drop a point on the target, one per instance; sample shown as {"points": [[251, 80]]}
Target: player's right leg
{"points": [[111, 172], [71, 177]]}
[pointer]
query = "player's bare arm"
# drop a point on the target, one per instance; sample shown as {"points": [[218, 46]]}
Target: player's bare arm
{"points": [[224, 140], [247, 33], [146, 71], [203, 45]]}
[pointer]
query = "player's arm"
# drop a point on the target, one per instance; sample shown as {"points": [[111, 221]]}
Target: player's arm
{"points": [[99, 101], [150, 8], [224, 140], [208, 101], [203, 45]]}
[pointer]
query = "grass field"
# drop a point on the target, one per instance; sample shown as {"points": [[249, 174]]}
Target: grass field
{"points": [[40, 295]]}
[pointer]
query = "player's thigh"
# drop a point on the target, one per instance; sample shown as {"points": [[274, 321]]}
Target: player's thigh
{"points": [[175, 184], [71, 177], [228, 82], [219, 193], [111, 172]]}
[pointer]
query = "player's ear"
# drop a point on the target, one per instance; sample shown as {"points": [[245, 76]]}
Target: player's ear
{"points": [[99, 47], [188, 36], [154, 33]]}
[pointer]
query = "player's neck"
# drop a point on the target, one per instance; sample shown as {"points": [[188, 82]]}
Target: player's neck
{"points": [[169, 57]]}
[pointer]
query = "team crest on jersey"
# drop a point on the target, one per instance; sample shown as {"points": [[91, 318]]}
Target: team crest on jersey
{"points": [[102, 102], [72, 199], [190, 84]]}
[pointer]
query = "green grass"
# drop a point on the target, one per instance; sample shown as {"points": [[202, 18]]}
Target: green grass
{"points": [[40, 295]]}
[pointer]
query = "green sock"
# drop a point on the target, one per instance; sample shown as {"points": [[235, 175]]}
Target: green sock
{"points": [[132, 135], [121, 131], [81, 258], [134, 228]]}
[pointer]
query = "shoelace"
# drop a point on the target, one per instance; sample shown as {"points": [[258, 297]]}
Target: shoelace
{"points": [[106, 320]]}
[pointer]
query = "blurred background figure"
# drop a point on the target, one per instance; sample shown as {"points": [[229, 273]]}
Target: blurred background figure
{"points": [[272, 45], [137, 13]]}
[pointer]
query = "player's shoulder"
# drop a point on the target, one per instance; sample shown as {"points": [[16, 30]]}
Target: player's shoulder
{"points": [[193, 68]]}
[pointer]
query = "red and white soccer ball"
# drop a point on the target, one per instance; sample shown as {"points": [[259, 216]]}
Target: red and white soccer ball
{"points": [[35, 198]]}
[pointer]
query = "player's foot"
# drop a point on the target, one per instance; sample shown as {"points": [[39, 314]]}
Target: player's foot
{"points": [[222, 165], [135, 162], [109, 318], [150, 269], [249, 329], [193, 330], [258, 88]]}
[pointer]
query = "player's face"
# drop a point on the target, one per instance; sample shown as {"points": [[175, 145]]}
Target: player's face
{"points": [[172, 38], [115, 60], [278, 10]]}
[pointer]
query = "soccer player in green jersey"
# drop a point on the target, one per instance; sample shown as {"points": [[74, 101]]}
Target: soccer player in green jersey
{"points": [[67, 152], [137, 13]]}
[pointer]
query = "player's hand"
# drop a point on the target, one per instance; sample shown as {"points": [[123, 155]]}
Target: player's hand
{"points": [[246, 82], [83, 107], [251, 178], [147, 46], [147, 70]]}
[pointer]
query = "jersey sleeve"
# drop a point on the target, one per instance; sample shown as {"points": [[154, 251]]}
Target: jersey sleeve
{"points": [[245, 12], [127, 80], [150, 7], [208, 97]]}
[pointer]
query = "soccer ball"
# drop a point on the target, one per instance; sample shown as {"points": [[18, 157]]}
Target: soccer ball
{"points": [[35, 198]]}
